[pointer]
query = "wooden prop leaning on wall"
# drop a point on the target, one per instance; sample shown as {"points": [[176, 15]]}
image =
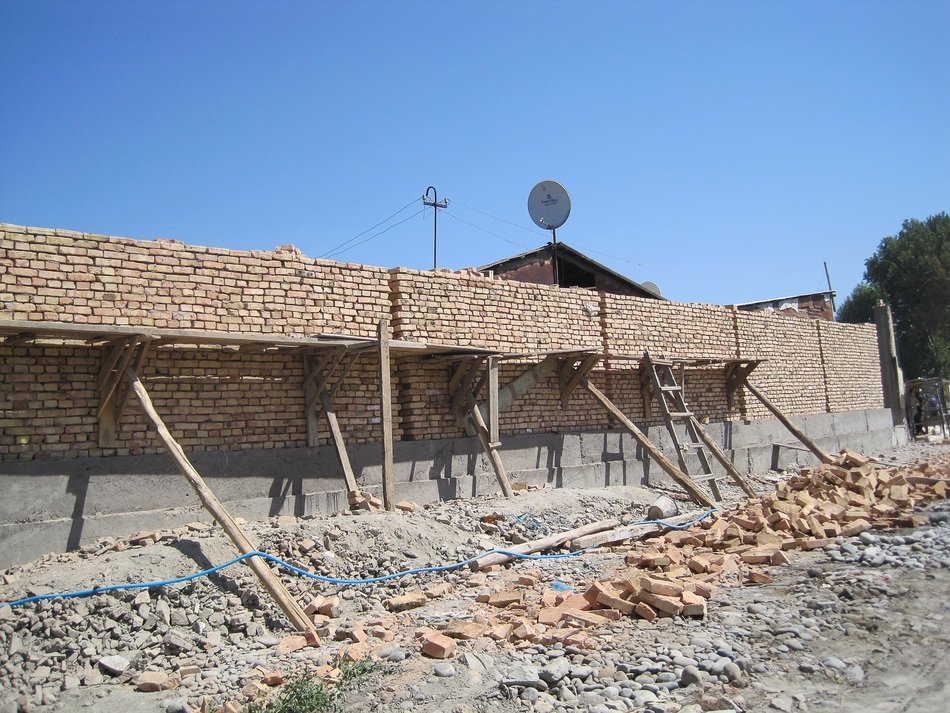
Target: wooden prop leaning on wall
{"points": [[271, 583]]}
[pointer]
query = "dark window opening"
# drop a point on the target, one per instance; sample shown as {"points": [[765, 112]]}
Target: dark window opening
{"points": [[573, 275]]}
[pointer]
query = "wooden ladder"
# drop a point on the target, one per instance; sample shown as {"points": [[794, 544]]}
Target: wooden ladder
{"points": [[668, 393]]}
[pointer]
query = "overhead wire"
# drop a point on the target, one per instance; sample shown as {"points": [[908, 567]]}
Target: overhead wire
{"points": [[489, 232], [374, 235], [336, 250]]}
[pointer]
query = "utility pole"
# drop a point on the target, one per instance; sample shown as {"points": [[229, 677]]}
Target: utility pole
{"points": [[435, 204]]}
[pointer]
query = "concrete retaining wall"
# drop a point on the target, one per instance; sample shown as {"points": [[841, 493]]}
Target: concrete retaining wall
{"points": [[64, 504]]}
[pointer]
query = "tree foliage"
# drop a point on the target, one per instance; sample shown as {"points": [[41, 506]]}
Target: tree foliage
{"points": [[858, 307], [912, 272]]}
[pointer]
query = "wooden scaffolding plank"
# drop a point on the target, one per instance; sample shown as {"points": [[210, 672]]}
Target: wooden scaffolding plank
{"points": [[271, 583]]}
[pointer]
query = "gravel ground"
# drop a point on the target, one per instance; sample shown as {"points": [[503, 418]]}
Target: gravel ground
{"points": [[857, 626]]}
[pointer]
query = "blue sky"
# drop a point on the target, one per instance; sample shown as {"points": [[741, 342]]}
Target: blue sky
{"points": [[721, 149]]}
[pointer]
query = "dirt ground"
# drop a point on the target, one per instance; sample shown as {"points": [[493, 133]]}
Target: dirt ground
{"points": [[859, 626]]}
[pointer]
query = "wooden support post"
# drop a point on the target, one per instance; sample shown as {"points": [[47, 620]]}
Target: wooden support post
{"points": [[793, 429], [578, 375], [271, 583], [490, 447], [523, 383], [352, 488], [493, 429], [681, 478], [386, 416]]}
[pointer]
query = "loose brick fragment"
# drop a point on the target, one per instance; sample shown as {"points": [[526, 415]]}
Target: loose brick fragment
{"points": [[438, 646]]}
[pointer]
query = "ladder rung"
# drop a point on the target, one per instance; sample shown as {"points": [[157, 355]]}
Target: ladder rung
{"points": [[705, 478], [671, 388], [680, 414]]}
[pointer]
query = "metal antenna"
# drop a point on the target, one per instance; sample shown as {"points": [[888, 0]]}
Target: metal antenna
{"points": [[435, 203]]}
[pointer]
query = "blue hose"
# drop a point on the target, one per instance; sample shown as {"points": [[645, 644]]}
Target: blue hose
{"points": [[333, 580]]}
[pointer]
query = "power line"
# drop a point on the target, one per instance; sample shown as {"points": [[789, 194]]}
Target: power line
{"points": [[485, 230], [374, 235], [336, 250], [495, 217]]}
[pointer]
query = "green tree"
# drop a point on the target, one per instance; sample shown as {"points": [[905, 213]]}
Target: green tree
{"points": [[912, 271], [858, 307]]}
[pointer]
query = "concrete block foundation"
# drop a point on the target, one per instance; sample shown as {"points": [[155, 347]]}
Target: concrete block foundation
{"points": [[58, 505]]}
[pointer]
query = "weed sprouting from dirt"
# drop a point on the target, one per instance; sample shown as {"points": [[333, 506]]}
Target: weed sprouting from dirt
{"points": [[308, 694]]}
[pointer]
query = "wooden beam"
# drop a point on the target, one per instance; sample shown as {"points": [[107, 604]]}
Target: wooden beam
{"points": [[22, 338], [580, 373], [386, 416], [678, 476], [271, 583], [545, 543], [736, 375], [493, 426], [793, 429], [523, 383], [113, 379], [722, 458], [491, 448], [340, 445], [122, 398]]}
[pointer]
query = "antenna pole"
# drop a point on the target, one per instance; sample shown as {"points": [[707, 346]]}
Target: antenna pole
{"points": [[832, 295], [435, 204], [557, 280]]}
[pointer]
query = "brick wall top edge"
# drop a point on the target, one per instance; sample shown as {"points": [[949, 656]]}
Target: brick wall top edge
{"points": [[163, 243]]}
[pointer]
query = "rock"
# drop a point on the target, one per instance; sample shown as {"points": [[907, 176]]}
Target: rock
{"points": [[444, 670], [782, 703], [732, 671], [152, 681], [524, 677], [555, 671], [835, 663], [114, 665], [176, 705], [691, 675]]}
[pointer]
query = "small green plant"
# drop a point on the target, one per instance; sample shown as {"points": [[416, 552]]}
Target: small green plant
{"points": [[307, 694]]}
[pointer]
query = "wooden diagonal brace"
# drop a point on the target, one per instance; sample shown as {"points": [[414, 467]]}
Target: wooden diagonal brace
{"points": [[579, 374], [678, 476], [272, 584], [793, 429]]}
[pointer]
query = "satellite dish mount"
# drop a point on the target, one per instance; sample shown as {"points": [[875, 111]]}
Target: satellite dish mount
{"points": [[549, 206]]}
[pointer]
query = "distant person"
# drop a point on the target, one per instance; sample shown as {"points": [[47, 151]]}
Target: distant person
{"points": [[918, 412]]}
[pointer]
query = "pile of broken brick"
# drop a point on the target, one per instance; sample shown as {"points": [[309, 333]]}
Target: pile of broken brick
{"points": [[675, 574]]}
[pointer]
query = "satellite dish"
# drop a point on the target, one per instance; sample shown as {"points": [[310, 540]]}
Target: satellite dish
{"points": [[549, 205], [652, 287]]}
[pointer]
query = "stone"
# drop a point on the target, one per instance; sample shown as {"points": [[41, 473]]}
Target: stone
{"points": [[691, 675], [152, 681], [553, 672], [444, 670], [114, 665], [782, 703]]}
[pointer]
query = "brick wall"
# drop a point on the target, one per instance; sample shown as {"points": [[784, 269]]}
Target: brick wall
{"points": [[210, 400], [474, 310], [58, 275], [852, 366], [229, 400]]}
